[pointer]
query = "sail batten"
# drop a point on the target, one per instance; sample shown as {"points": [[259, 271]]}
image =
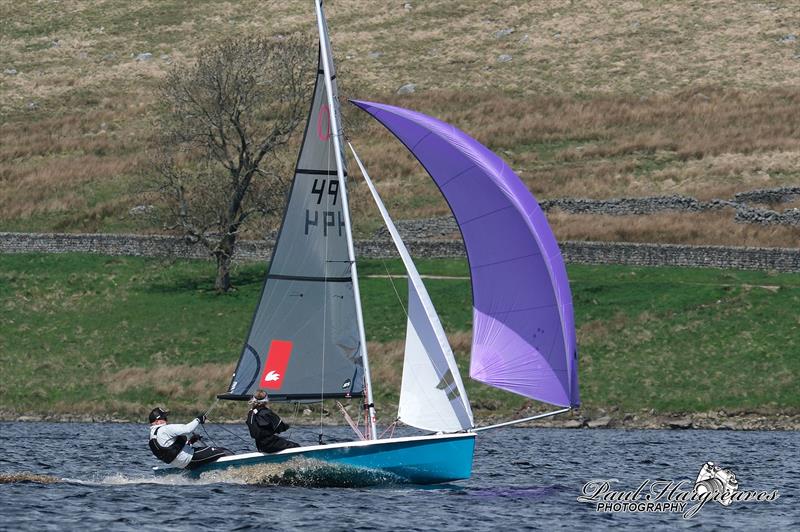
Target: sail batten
{"points": [[523, 325]]}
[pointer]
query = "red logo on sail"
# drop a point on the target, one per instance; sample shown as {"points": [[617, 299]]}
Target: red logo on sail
{"points": [[324, 122], [275, 365]]}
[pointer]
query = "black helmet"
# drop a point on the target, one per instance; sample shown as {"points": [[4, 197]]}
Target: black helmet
{"points": [[158, 413]]}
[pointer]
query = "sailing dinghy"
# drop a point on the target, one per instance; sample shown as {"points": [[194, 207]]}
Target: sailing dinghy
{"points": [[307, 340]]}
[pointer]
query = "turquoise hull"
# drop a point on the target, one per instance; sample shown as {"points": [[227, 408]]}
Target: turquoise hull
{"points": [[420, 460]]}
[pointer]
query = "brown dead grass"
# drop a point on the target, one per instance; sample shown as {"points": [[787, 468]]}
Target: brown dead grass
{"points": [[186, 389], [54, 166], [386, 362], [785, 206], [611, 146], [709, 228], [600, 330], [173, 382], [598, 101], [386, 358], [619, 147], [189, 389], [575, 47], [557, 47]]}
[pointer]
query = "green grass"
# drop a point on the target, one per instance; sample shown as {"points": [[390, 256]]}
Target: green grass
{"points": [[669, 339]]}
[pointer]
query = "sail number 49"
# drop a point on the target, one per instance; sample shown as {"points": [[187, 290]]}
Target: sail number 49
{"points": [[319, 190], [330, 219]]}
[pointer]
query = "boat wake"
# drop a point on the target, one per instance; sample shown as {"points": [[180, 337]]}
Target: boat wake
{"points": [[23, 477], [117, 479], [120, 479], [304, 472], [299, 472]]}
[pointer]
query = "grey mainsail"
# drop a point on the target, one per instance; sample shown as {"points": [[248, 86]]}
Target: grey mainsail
{"points": [[304, 343]]}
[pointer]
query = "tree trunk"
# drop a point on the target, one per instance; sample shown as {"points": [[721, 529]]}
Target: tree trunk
{"points": [[224, 254], [223, 281]]}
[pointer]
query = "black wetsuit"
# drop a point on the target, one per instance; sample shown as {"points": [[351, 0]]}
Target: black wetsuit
{"points": [[264, 425], [204, 454], [172, 444]]}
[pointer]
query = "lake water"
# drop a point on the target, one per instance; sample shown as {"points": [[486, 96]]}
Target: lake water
{"points": [[523, 479]]}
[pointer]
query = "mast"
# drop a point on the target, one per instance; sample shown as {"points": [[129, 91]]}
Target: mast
{"points": [[323, 42]]}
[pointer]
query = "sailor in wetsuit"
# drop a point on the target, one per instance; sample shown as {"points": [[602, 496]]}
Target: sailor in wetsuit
{"points": [[264, 425], [172, 443]]}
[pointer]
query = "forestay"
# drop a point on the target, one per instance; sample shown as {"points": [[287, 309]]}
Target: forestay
{"points": [[432, 395], [303, 342], [523, 325]]}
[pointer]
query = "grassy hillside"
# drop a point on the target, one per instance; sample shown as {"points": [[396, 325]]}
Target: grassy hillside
{"points": [[590, 99], [102, 335]]}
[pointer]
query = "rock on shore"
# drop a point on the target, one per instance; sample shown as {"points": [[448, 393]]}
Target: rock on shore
{"points": [[718, 420]]}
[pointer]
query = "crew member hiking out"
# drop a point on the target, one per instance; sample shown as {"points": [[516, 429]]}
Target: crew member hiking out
{"points": [[264, 425], [174, 444]]}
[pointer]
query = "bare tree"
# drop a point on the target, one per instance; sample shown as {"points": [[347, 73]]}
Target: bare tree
{"points": [[223, 122]]}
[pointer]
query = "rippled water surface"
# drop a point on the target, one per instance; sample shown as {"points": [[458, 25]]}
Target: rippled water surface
{"points": [[99, 478]]}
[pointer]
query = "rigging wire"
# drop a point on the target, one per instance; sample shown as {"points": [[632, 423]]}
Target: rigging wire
{"points": [[396, 293], [212, 407], [391, 427], [220, 425], [223, 427], [350, 420]]}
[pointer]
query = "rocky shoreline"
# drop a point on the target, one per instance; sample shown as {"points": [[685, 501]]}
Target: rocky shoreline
{"points": [[717, 420]]}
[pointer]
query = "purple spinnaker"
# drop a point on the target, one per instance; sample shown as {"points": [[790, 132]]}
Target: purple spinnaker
{"points": [[523, 326]]}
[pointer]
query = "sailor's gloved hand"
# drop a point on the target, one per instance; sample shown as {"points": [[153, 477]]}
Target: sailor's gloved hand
{"points": [[201, 418], [195, 438]]}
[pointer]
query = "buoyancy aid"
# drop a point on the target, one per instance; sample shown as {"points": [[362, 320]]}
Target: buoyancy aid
{"points": [[169, 453]]}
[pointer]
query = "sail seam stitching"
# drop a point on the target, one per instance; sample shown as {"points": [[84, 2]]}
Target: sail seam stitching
{"points": [[444, 183], [425, 136], [506, 260], [486, 214]]}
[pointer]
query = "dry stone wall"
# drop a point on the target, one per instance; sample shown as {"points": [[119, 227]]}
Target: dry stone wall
{"points": [[445, 226], [777, 259], [741, 202]]}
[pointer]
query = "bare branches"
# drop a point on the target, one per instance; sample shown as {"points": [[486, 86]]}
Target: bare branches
{"points": [[222, 120]]}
